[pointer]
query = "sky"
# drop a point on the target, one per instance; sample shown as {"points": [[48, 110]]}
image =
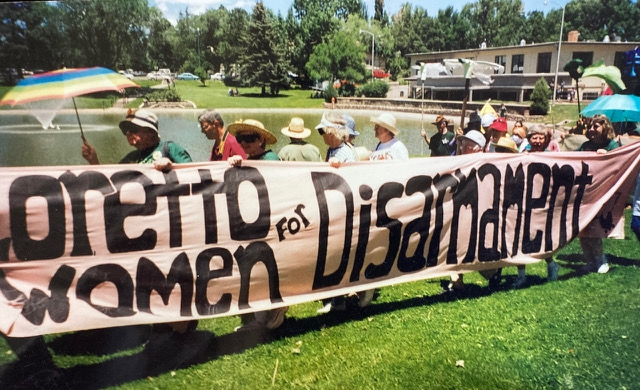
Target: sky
{"points": [[171, 8]]}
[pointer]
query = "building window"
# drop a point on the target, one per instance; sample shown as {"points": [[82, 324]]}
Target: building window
{"points": [[620, 59], [517, 63], [585, 56], [501, 60], [544, 63]]}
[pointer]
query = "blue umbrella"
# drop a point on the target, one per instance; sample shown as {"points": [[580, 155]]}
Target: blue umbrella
{"points": [[618, 108]]}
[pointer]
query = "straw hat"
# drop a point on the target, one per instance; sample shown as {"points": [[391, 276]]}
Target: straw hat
{"points": [[139, 118], [439, 119], [252, 125], [386, 120], [506, 145], [296, 129]]}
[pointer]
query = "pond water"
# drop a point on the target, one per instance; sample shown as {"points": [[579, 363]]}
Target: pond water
{"points": [[23, 141]]}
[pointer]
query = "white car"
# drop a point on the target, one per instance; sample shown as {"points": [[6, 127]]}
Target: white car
{"points": [[153, 76], [127, 75], [217, 76]]}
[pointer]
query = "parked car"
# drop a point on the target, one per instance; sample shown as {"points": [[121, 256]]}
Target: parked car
{"points": [[217, 76], [188, 76], [126, 74]]}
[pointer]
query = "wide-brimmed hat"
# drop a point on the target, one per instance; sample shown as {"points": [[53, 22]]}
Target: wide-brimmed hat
{"points": [[475, 136], [474, 118], [386, 120], [254, 126], [505, 145], [351, 125], [296, 129], [439, 119], [139, 118], [500, 124], [331, 120]]}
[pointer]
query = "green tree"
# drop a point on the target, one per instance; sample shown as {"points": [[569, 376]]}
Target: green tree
{"points": [[100, 35], [263, 63], [540, 98], [340, 58]]}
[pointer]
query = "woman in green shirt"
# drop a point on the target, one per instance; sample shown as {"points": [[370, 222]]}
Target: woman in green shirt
{"points": [[253, 138]]}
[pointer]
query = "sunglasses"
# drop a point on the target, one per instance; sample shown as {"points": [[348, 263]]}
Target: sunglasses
{"points": [[247, 138], [321, 131]]}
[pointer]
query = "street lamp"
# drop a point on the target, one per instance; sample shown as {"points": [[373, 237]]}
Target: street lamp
{"points": [[373, 40], [555, 83], [198, 31]]}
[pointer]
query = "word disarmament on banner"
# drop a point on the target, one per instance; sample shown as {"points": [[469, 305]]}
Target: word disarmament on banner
{"points": [[90, 247]]}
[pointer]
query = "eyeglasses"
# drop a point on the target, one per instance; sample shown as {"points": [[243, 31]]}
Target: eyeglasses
{"points": [[205, 125], [247, 138], [321, 131]]}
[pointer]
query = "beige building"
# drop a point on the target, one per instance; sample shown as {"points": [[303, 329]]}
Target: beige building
{"points": [[524, 65]]}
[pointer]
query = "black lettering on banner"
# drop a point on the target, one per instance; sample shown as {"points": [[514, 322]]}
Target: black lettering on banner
{"points": [[108, 273], [581, 181], [247, 258], [239, 229], [386, 193], [77, 186], [513, 196], [298, 210], [418, 184], [323, 182], [490, 216], [173, 190], [205, 274], [208, 188], [366, 193], [150, 278], [115, 214], [49, 188], [37, 305], [563, 178], [442, 183], [465, 195], [543, 172]]}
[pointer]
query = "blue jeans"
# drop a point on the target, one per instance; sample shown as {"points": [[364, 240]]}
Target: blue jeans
{"points": [[635, 225]]}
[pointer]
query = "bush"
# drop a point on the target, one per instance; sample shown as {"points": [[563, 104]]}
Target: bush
{"points": [[347, 90], [163, 95], [330, 93], [377, 89], [540, 98]]}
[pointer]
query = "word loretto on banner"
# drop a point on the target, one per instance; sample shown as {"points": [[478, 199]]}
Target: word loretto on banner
{"points": [[100, 246]]}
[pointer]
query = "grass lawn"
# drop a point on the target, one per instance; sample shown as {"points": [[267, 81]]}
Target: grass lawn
{"points": [[581, 332]]}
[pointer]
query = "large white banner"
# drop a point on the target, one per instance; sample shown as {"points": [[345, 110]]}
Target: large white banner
{"points": [[96, 246]]}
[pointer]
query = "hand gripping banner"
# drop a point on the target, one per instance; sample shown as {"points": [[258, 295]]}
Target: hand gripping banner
{"points": [[85, 247]]}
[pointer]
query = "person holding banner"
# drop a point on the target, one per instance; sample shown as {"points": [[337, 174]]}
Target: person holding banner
{"points": [[298, 149], [253, 137], [225, 145], [389, 147], [600, 134], [335, 134], [141, 129], [471, 142]]}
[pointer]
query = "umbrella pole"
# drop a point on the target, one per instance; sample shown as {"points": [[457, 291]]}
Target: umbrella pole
{"points": [[79, 123]]}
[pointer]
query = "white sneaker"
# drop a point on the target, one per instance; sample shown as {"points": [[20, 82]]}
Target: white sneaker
{"points": [[603, 269], [365, 297], [324, 309]]}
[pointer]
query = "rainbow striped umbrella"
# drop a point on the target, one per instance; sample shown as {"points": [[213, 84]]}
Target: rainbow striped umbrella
{"points": [[66, 83]]}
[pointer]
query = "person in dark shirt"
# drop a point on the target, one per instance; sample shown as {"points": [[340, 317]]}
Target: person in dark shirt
{"points": [[440, 142]]}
